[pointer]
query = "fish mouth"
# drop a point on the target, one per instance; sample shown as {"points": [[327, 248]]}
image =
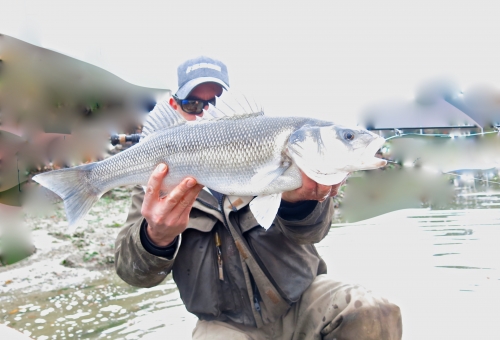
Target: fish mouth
{"points": [[365, 160], [378, 163], [372, 161], [374, 146]]}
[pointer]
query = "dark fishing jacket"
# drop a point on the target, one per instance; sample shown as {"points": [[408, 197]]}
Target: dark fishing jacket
{"points": [[262, 273]]}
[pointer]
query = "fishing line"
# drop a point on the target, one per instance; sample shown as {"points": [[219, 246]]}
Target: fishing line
{"points": [[474, 178], [18, 179], [447, 173], [440, 135]]}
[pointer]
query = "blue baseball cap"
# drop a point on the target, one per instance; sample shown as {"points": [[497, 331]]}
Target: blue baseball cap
{"points": [[194, 72]]}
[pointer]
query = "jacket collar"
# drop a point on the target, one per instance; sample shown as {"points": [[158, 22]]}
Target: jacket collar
{"points": [[230, 203]]}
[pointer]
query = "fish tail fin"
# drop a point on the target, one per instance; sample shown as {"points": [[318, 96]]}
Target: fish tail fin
{"points": [[72, 186]]}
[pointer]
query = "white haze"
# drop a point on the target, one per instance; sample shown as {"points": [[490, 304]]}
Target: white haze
{"points": [[319, 58]]}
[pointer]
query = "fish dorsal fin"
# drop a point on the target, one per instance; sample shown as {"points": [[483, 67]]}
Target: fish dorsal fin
{"points": [[207, 118], [233, 103], [161, 117], [242, 116]]}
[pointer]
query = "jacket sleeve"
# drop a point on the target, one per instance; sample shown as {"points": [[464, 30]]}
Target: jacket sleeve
{"points": [[134, 264], [309, 229]]}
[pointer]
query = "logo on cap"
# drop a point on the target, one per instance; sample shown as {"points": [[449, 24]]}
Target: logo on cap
{"points": [[203, 65]]}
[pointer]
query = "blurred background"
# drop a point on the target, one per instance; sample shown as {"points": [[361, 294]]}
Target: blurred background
{"points": [[424, 75], [315, 58]]}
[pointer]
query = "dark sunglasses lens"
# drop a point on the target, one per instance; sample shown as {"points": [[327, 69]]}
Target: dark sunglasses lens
{"points": [[192, 106]]}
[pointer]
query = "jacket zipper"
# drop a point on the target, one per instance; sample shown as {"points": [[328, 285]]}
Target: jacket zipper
{"points": [[218, 242], [226, 225], [208, 205]]}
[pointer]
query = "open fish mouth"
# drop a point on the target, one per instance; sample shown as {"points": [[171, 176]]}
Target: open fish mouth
{"points": [[375, 145], [370, 160]]}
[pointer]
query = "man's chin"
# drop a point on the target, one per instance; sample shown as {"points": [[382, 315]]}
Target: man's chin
{"points": [[190, 117]]}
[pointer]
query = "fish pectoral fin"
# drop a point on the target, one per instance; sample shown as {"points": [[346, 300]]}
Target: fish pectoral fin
{"points": [[266, 175], [264, 208]]}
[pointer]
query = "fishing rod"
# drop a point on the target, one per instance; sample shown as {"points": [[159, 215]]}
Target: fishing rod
{"points": [[123, 139]]}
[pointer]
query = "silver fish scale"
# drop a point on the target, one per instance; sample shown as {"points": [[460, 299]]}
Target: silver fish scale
{"points": [[240, 156]]}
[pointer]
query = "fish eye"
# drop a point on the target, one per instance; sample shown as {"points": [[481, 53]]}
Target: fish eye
{"points": [[348, 135]]}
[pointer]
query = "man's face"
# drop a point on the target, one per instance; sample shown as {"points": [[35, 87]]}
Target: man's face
{"points": [[203, 91]]}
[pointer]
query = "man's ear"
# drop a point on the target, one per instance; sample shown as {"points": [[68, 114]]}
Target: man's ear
{"points": [[173, 103]]}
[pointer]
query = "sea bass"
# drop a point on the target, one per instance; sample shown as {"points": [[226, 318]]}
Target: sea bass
{"points": [[245, 155]]}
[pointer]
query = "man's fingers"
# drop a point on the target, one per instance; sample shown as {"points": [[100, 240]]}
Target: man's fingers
{"points": [[336, 187], [187, 200], [191, 195], [322, 192], [180, 190], [154, 183], [185, 203], [182, 202], [335, 190]]}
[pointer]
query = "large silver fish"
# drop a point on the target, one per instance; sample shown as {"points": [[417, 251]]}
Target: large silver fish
{"points": [[248, 155]]}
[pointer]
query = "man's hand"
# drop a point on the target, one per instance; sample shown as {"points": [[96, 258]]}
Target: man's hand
{"points": [[168, 216], [311, 191]]}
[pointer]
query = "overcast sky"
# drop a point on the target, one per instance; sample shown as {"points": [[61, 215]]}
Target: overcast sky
{"points": [[327, 59]]}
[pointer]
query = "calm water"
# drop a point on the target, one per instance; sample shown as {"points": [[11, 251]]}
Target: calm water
{"points": [[442, 267]]}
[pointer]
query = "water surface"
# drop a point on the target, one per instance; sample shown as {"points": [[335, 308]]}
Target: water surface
{"points": [[442, 267]]}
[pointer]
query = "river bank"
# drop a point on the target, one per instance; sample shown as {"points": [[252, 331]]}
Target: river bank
{"points": [[69, 289], [61, 258]]}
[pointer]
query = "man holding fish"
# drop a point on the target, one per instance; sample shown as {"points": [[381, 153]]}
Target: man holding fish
{"points": [[242, 281]]}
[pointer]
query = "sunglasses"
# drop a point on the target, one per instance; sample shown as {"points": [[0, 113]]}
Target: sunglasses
{"points": [[193, 106]]}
